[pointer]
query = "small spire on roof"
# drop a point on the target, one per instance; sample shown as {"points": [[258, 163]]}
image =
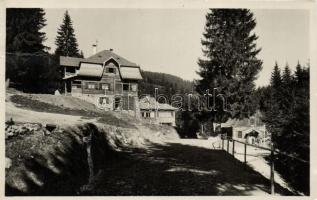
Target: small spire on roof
{"points": [[94, 47]]}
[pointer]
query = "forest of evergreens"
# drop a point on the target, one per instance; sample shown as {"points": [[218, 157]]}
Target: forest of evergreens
{"points": [[167, 84]]}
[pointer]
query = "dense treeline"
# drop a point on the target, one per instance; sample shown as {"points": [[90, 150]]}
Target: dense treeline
{"points": [[167, 84], [285, 105], [28, 64]]}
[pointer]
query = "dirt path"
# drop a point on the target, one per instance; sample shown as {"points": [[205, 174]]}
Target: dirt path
{"points": [[178, 169], [23, 115]]}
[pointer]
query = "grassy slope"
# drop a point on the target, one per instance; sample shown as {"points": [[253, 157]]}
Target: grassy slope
{"points": [[49, 104], [41, 161]]}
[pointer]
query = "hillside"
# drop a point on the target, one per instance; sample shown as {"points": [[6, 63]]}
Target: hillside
{"points": [[124, 155], [41, 160], [166, 83]]}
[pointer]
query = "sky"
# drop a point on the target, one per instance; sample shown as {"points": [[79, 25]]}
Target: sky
{"points": [[168, 40]]}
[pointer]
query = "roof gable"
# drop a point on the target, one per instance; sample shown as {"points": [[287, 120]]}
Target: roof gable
{"points": [[149, 103], [105, 55], [127, 69]]}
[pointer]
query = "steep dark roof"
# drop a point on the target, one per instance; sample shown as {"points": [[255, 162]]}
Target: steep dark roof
{"points": [[98, 58], [105, 55]]}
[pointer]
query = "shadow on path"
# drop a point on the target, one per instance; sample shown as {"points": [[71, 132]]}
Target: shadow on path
{"points": [[176, 169]]}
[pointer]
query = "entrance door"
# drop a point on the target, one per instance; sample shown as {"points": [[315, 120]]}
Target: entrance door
{"points": [[117, 103]]}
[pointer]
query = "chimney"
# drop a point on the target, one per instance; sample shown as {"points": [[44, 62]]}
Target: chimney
{"points": [[94, 48]]}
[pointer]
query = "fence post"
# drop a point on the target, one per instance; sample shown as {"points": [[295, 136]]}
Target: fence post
{"points": [[245, 153], [233, 148], [87, 141], [227, 145], [223, 143], [272, 169]]}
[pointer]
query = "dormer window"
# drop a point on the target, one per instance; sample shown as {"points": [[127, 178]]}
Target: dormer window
{"points": [[111, 70]]}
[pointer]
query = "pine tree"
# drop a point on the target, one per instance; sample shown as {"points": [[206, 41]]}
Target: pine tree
{"points": [[230, 62], [23, 30], [299, 74], [273, 114], [276, 78], [287, 75], [287, 91], [66, 41]]}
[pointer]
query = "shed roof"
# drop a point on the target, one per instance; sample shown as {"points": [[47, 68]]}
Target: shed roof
{"points": [[70, 61], [130, 73], [90, 70], [149, 103]]}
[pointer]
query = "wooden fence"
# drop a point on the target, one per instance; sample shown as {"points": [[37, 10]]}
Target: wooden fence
{"points": [[272, 150]]}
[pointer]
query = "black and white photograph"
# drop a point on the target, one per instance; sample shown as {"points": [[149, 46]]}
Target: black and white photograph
{"points": [[160, 101]]}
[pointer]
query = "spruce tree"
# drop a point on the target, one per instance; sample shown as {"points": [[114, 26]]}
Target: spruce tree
{"points": [[287, 75], [66, 41], [23, 30], [287, 91], [276, 78], [230, 63], [299, 74], [276, 84]]}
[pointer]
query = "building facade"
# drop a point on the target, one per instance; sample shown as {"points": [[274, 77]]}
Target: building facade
{"points": [[157, 112], [251, 130], [105, 79]]}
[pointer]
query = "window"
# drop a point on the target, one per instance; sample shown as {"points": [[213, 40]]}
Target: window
{"points": [[111, 70], [91, 85], [125, 87], [147, 115], [104, 86], [239, 134], [134, 87], [103, 100]]}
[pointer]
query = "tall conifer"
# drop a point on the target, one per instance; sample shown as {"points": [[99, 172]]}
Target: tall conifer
{"points": [[23, 30], [66, 41], [230, 61]]}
